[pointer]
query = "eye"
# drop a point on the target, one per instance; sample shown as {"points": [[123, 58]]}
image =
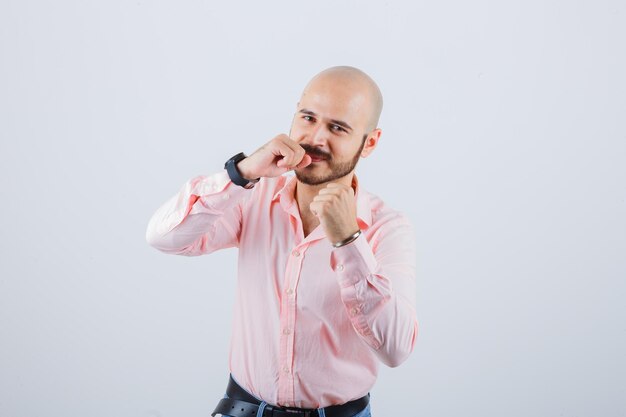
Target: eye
{"points": [[337, 128], [308, 118]]}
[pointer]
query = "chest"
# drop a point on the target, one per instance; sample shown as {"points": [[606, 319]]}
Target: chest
{"points": [[284, 255]]}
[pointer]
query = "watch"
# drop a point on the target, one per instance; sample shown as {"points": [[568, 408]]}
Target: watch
{"points": [[233, 172]]}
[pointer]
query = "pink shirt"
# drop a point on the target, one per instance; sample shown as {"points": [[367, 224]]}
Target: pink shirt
{"points": [[311, 322]]}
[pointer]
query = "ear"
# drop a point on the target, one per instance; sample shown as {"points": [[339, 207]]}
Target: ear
{"points": [[370, 142]]}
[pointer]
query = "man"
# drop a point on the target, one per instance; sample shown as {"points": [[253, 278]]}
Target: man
{"points": [[326, 277]]}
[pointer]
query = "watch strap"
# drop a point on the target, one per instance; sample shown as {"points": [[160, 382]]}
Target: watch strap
{"points": [[235, 175]]}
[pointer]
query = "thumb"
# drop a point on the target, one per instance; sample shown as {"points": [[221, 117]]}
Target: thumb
{"points": [[315, 209]]}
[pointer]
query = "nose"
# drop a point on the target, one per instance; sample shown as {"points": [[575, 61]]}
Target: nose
{"points": [[316, 135]]}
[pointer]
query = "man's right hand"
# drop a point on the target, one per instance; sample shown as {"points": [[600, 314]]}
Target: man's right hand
{"points": [[276, 157]]}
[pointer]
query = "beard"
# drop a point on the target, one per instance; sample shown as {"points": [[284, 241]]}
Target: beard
{"points": [[337, 169]]}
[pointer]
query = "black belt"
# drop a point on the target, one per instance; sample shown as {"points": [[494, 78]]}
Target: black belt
{"points": [[242, 404]]}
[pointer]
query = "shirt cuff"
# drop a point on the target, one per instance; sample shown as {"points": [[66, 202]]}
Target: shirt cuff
{"points": [[353, 261]]}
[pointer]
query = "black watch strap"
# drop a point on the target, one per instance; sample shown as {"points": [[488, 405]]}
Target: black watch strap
{"points": [[233, 172]]}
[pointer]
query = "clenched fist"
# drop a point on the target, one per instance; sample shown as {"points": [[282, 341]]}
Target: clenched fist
{"points": [[335, 207], [276, 157]]}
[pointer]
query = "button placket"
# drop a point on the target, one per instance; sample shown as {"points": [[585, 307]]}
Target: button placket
{"points": [[293, 268]]}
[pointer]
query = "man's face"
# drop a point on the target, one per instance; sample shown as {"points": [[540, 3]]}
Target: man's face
{"points": [[330, 124]]}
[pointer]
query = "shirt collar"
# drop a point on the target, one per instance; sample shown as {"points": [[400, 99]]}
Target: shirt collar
{"points": [[286, 196]]}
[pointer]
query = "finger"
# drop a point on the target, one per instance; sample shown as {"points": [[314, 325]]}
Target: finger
{"points": [[331, 191], [335, 188], [339, 188], [306, 161], [316, 208], [324, 197], [285, 153], [335, 185], [297, 154]]}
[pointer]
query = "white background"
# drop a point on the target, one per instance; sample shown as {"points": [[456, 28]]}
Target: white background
{"points": [[504, 140]]}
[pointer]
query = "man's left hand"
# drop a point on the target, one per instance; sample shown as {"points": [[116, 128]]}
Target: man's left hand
{"points": [[335, 206]]}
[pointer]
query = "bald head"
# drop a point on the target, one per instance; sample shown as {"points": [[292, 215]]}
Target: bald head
{"points": [[353, 83]]}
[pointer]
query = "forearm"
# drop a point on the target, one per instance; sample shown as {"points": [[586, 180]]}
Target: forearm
{"points": [[187, 223], [379, 294]]}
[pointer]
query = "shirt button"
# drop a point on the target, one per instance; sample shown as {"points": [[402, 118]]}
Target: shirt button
{"points": [[295, 253], [286, 331], [354, 310], [286, 370], [225, 196], [340, 267], [289, 291], [287, 405]]}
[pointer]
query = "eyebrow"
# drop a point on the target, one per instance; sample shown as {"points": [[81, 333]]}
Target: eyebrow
{"points": [[337, 122]]}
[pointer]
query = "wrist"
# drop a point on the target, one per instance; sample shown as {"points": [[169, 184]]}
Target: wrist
{"points": [[347, 240], [244, 170], [235, 175]]}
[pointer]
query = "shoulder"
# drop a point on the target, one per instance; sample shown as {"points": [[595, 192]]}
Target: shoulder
{"points": [[383, 215], [387, 224], [391, 234]]}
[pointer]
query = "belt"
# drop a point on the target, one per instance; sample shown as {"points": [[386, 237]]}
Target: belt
{"points": [[243, 404]]}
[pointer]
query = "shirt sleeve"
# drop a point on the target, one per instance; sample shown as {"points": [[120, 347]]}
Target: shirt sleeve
{"points": [[204, 216], [377, 279]]}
